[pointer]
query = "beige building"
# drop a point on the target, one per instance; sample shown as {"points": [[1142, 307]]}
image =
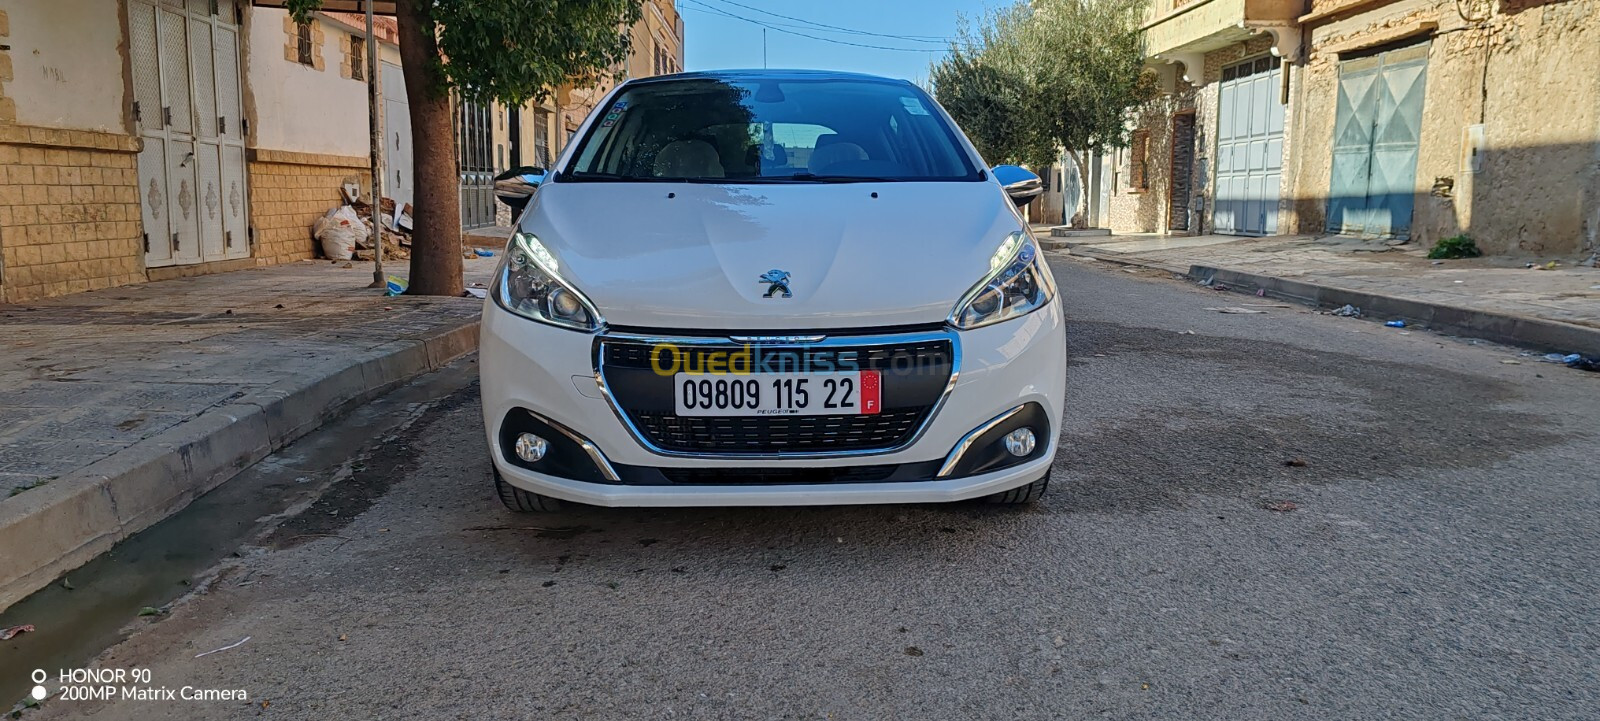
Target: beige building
{"points": [[1395, 119], [148, 139], [657, 49]]}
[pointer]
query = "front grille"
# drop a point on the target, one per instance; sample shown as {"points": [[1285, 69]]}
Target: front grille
{"points": [[914, 374], [781, 433], [757, 476]]}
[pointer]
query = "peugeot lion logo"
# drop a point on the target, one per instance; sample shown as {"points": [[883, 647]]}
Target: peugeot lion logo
{"points": [[777, 280]]}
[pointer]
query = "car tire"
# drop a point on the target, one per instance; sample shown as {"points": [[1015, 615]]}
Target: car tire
{"points": [[1022, 495], [521, 501]]}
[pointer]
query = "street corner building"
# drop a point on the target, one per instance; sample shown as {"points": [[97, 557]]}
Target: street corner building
{"points": [[150, 139], [1396, 119]]}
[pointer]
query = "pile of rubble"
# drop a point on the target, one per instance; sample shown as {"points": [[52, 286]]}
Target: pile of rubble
{"points": [[346, 233]]}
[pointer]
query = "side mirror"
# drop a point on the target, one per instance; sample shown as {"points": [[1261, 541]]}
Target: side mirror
{"points": [[516, 186], [1020, 183]]}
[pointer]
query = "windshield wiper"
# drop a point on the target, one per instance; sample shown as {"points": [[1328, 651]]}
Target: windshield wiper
{"points": [[620, 178], [588, 176], [813, 177]]}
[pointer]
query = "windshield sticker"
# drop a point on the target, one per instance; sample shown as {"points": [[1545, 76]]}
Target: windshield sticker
{"points": [[612, 117], [913, 106]]}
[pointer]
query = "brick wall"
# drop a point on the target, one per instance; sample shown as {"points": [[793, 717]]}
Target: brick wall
{"points": [[69, 212], [288, 192]]}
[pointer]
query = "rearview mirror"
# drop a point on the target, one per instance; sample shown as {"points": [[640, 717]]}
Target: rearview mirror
{"points": [[516, 186], [1020, 183]]}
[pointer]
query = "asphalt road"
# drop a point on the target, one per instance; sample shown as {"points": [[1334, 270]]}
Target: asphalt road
{"points": [[1440, 561]]}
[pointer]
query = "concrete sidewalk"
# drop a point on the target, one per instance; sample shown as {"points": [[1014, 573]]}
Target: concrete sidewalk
{"points": [[119, 407], [1491, 298]]}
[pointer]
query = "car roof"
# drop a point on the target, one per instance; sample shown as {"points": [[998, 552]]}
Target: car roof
{"points": [[757, 74]]}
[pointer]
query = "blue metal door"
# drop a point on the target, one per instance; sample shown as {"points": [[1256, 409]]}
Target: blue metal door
{"points": [[1249, 148], [1377, 127]]}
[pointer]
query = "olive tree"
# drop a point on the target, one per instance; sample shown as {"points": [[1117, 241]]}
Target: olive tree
{"points": [[509, 51], [984, 83], [1039, 75], [1088, 62]]}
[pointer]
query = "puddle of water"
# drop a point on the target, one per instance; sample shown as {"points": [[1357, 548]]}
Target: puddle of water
{"points": [[156, 566]]}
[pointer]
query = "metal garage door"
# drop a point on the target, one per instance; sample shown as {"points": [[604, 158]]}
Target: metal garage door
{"points": [[1376, 130], [1249, 148], [187, 101]]}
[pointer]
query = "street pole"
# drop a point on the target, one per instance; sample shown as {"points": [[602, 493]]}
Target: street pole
{"points": [[376, 149]]}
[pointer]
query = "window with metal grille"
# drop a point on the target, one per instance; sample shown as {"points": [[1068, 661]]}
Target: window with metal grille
{"points": [[1138, 161], [358, 58], [303, 43], [541, 138]]}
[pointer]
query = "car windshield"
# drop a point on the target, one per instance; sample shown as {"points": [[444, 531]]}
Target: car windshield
{"points": [[771, 130]]}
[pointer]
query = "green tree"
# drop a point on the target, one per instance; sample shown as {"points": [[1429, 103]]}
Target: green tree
{"points": [[509, 51], [1039, 75], [1088, 60], [984, 83]]}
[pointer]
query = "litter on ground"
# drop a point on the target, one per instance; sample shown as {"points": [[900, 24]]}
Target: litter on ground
{"points": [[235, 644]]}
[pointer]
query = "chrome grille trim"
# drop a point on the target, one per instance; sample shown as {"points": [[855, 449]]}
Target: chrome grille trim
{"points": [[947, 334]]}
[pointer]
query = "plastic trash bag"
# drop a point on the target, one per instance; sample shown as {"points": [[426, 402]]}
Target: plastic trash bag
{"points": [[340, 232]]}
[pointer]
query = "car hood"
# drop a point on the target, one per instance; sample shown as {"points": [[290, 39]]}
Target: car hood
{"points": [[691, 256]]}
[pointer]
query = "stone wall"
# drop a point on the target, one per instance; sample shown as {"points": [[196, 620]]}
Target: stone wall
{"points": [[1525, 71], [69, 212], [1135, 210], [289, 191]]}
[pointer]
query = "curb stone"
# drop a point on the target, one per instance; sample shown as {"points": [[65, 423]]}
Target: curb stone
{"points": [[55, 528], [1515, 330]]}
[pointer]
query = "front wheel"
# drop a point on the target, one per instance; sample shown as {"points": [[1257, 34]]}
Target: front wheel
{"points": [[522, 501], [1022, 495]]}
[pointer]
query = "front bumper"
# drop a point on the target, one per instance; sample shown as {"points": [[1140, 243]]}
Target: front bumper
{"points": [[551, 372]]}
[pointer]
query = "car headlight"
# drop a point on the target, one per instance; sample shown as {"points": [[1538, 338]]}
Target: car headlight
{"points": [[530, 285], [1018, 283]]}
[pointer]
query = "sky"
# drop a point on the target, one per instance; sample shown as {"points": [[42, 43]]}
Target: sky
{"points": [[713, 39]]}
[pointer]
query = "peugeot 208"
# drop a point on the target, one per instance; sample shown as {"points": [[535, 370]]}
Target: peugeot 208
{"points": [[771, 288]]}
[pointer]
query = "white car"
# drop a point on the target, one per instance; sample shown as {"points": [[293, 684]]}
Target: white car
{"points": [[758, 288]]}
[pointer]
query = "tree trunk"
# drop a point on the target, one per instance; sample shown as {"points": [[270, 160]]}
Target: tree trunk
{"points": [[436, 234], [1080, 158]]}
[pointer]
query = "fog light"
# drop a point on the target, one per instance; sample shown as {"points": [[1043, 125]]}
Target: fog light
{"points": [[531, 448], [1020, 442]]}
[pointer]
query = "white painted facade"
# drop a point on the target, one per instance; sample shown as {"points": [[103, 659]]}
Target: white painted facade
{"points": [[299, 108], [67, 63]]}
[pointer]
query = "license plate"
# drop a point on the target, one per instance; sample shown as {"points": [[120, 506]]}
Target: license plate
{"points": [[778, 394]]}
